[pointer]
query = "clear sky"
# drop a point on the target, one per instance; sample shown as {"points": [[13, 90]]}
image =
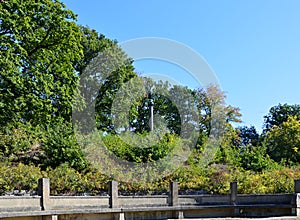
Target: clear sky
{"points": [[253, 46]]}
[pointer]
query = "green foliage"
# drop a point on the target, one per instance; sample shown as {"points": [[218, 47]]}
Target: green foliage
{"points": [[92, 43], [249, 157], [214, 179], [19, 177], [18, 140], [280, 180], [191, 177], [219, 178], [39, 42], [46, 146], [65, 180], [283, 141], [138, 151], [248, 136], [213, 112], [227, 152], [43, 52], [255, 159], [60, 146], [279, 114], [68, 181], [173, 106]]}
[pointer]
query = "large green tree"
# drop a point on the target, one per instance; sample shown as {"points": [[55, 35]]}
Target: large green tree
{"points": [[165, 101], [42, 55], [279, 114], [204, 109], [283, 141], [103, 69], [39, 44], [214, 113], [248, 136]]}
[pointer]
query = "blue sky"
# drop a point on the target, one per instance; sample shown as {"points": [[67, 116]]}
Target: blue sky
{"points": [[253, 46]]}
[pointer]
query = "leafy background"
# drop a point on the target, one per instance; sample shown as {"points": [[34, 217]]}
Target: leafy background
{"points": [[43, 54]]}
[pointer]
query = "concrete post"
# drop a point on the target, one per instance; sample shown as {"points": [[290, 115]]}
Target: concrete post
{"points": [[113, 194], [233, 197], [296, 202], [173, 194], [44, 193], [233, 192], [297, 186], [297, 209]]}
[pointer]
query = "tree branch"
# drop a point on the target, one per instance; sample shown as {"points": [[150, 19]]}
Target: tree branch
{"points": [[41, 45]]}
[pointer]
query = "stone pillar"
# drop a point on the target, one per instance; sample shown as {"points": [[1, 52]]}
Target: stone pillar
{"points": [[297, 186], [297, 209], [233, 197], [296, 202], [44, 193], [233, 192], [113, 194], [173, 194]]}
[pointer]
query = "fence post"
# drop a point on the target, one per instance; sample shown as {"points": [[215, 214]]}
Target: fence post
{"points": [[233, 197], [296, 200], [44, 193], [233, 192], [297, 186], [173, 194], [113, 194], [173, 200]]}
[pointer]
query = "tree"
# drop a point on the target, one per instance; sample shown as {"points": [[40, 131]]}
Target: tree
{"points": [[248, 135], [216, 134], [166, 107], [283, 141], [107, 94], [103, 70], [97, 45], [279, 114], [39, 43], [42, 54], [213, 111], [174, 107], [59, 146], [254, 158]]}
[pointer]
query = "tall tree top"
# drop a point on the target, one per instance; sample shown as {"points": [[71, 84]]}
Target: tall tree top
{"points": [[39, 42], [279, 114]]}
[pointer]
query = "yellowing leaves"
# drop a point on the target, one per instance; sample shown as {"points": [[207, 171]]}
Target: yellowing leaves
{"points": [[283, 141]]}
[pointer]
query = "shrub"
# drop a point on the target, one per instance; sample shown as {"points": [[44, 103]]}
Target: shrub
{"points": [[19, 177], [134, 150], [66, 180]]}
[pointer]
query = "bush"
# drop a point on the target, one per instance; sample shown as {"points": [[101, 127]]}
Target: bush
{"points": [[215, 179], [65, 180], [47, 146], [134, 150], [19, 177], [20, 142], [60, 146]]}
